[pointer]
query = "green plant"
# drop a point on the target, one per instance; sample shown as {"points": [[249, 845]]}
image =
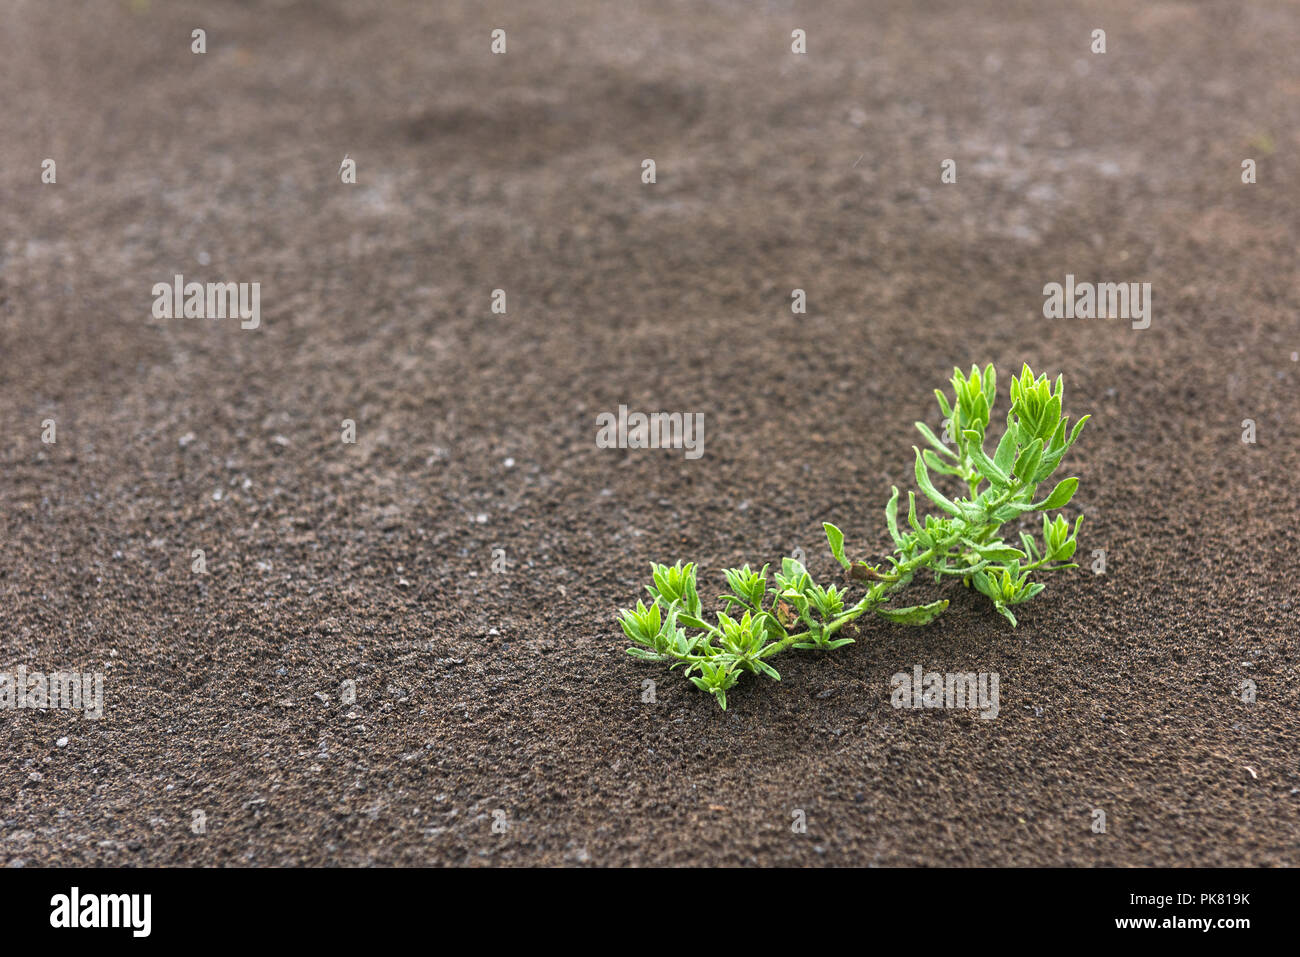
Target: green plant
{"points": [[963, 539]]}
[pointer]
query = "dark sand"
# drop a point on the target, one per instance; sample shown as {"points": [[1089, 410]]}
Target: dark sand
{"points": [[371, 562]]}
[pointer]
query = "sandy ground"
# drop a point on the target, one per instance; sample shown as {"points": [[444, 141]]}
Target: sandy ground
{"points": [[371, 563]]}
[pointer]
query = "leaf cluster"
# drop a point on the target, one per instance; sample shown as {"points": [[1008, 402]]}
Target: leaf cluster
{"points": [[962, 537], [759, 620]]}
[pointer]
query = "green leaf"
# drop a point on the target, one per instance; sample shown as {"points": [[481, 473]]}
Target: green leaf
{"points": [[933, 494], [943, 468], [1027, 463], [836, 539], [987, 467], [996, 552], [1051, 416], [990, 384], [1028, 541], [793, 569], [915, 615], [1005, 454], [1078, 427], [1047, 464], [691, 598], [1060, 496], [891, 518], [911, 512], [1009, 511], [934, 440]]}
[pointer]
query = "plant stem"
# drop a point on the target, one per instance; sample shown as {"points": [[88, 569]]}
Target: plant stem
{"points": [[901, 575]]}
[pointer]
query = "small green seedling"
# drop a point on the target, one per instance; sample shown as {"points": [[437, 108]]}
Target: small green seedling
{"points": [[763, 615]]}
